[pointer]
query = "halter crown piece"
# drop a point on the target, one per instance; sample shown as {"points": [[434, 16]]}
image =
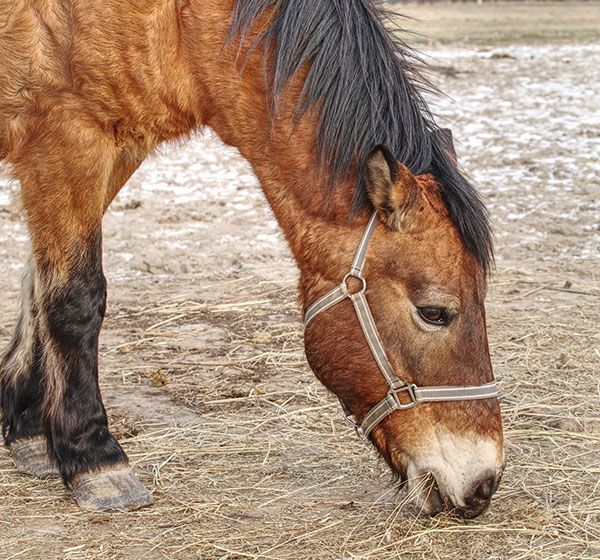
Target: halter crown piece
{"points": [[391, 401]]}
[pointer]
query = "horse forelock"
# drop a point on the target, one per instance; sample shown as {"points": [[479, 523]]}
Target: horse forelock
{"points": [[358, 68]]}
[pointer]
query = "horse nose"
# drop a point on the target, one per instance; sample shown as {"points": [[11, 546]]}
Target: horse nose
{"points": [[479, 499], [485, 490], [463, 481]]}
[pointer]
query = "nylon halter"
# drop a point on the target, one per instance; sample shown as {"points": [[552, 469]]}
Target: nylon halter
{"points": [[391, 401]]}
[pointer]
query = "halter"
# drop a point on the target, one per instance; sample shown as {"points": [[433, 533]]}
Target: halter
{"points": [[391, 401]]}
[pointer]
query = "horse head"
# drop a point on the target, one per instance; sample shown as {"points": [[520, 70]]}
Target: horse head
{"points": [[425, 294]]}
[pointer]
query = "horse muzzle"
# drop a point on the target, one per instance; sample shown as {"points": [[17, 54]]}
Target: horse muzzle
{"points": [[460, 476]]}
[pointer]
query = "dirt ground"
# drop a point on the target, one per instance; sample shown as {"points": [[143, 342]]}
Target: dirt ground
{"points": [[202, 364]]}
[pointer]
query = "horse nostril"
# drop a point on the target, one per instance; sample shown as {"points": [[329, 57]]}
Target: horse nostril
{"points": [[485, 490], [479, 500]]}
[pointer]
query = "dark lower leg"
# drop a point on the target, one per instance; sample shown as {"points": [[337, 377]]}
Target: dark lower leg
{"points": [[21, 392], [89, 458], [72, 315], [22, 421]]}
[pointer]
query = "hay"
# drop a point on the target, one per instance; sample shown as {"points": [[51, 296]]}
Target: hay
{"points": [[256, 462]]}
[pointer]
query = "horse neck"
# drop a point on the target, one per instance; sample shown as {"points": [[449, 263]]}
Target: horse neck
{"points": [[313, 217], [237, 106]]}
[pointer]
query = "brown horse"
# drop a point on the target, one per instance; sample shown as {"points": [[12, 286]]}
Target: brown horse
{"points": [[325, 105]]}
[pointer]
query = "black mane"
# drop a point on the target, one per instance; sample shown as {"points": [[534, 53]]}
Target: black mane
{"points": [[369, 91]]}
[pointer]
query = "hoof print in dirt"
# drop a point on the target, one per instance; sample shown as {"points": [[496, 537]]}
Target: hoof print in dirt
{"points": [[116, 489], [30, 456]]}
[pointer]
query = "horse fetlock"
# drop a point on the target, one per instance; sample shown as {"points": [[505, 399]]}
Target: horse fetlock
{"points": [[89, 450], [112, 489], [31, 456]]}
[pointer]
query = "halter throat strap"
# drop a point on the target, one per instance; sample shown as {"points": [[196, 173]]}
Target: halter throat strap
{"points": [[397, 386]]}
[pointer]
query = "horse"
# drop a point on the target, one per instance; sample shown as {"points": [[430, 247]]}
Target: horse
{"points": [[392, 241]]}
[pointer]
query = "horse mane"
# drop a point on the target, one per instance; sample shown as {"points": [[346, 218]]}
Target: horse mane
{"points": [[369, 91]]}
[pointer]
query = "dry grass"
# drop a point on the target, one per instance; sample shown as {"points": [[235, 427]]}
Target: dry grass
{"points": [[500, 23], [254, 460]]}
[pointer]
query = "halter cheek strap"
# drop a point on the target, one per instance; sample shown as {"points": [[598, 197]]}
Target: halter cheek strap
{"points": [[391, 401]]}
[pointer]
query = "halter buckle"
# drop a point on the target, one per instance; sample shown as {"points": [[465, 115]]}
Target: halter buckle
{"points": [[410, 391]]}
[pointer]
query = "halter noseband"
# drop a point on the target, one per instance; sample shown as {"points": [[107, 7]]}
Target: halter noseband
{"points": [[391, 401]]}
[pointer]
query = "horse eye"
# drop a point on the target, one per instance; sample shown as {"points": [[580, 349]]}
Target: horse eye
{"points": [[434, 315]]}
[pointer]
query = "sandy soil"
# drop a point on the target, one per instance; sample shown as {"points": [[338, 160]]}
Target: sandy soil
{"points": [[203, 373]]}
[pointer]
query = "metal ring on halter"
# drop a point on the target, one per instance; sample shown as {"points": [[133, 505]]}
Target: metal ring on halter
{"points": [[356, 426], [364, 283]]}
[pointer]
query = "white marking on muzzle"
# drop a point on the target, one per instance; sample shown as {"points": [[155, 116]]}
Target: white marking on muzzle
{"points": [[459, 465]]}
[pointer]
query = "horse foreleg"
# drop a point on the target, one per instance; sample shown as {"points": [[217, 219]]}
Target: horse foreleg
{"points": [[21, 388], [64, 196], [89, 458]]}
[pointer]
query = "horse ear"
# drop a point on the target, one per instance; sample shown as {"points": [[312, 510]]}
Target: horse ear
{"points": [[392, 188]]}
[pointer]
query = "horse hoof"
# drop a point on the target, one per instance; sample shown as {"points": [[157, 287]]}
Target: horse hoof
{"points": [[111, 489], [31, 456]]}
